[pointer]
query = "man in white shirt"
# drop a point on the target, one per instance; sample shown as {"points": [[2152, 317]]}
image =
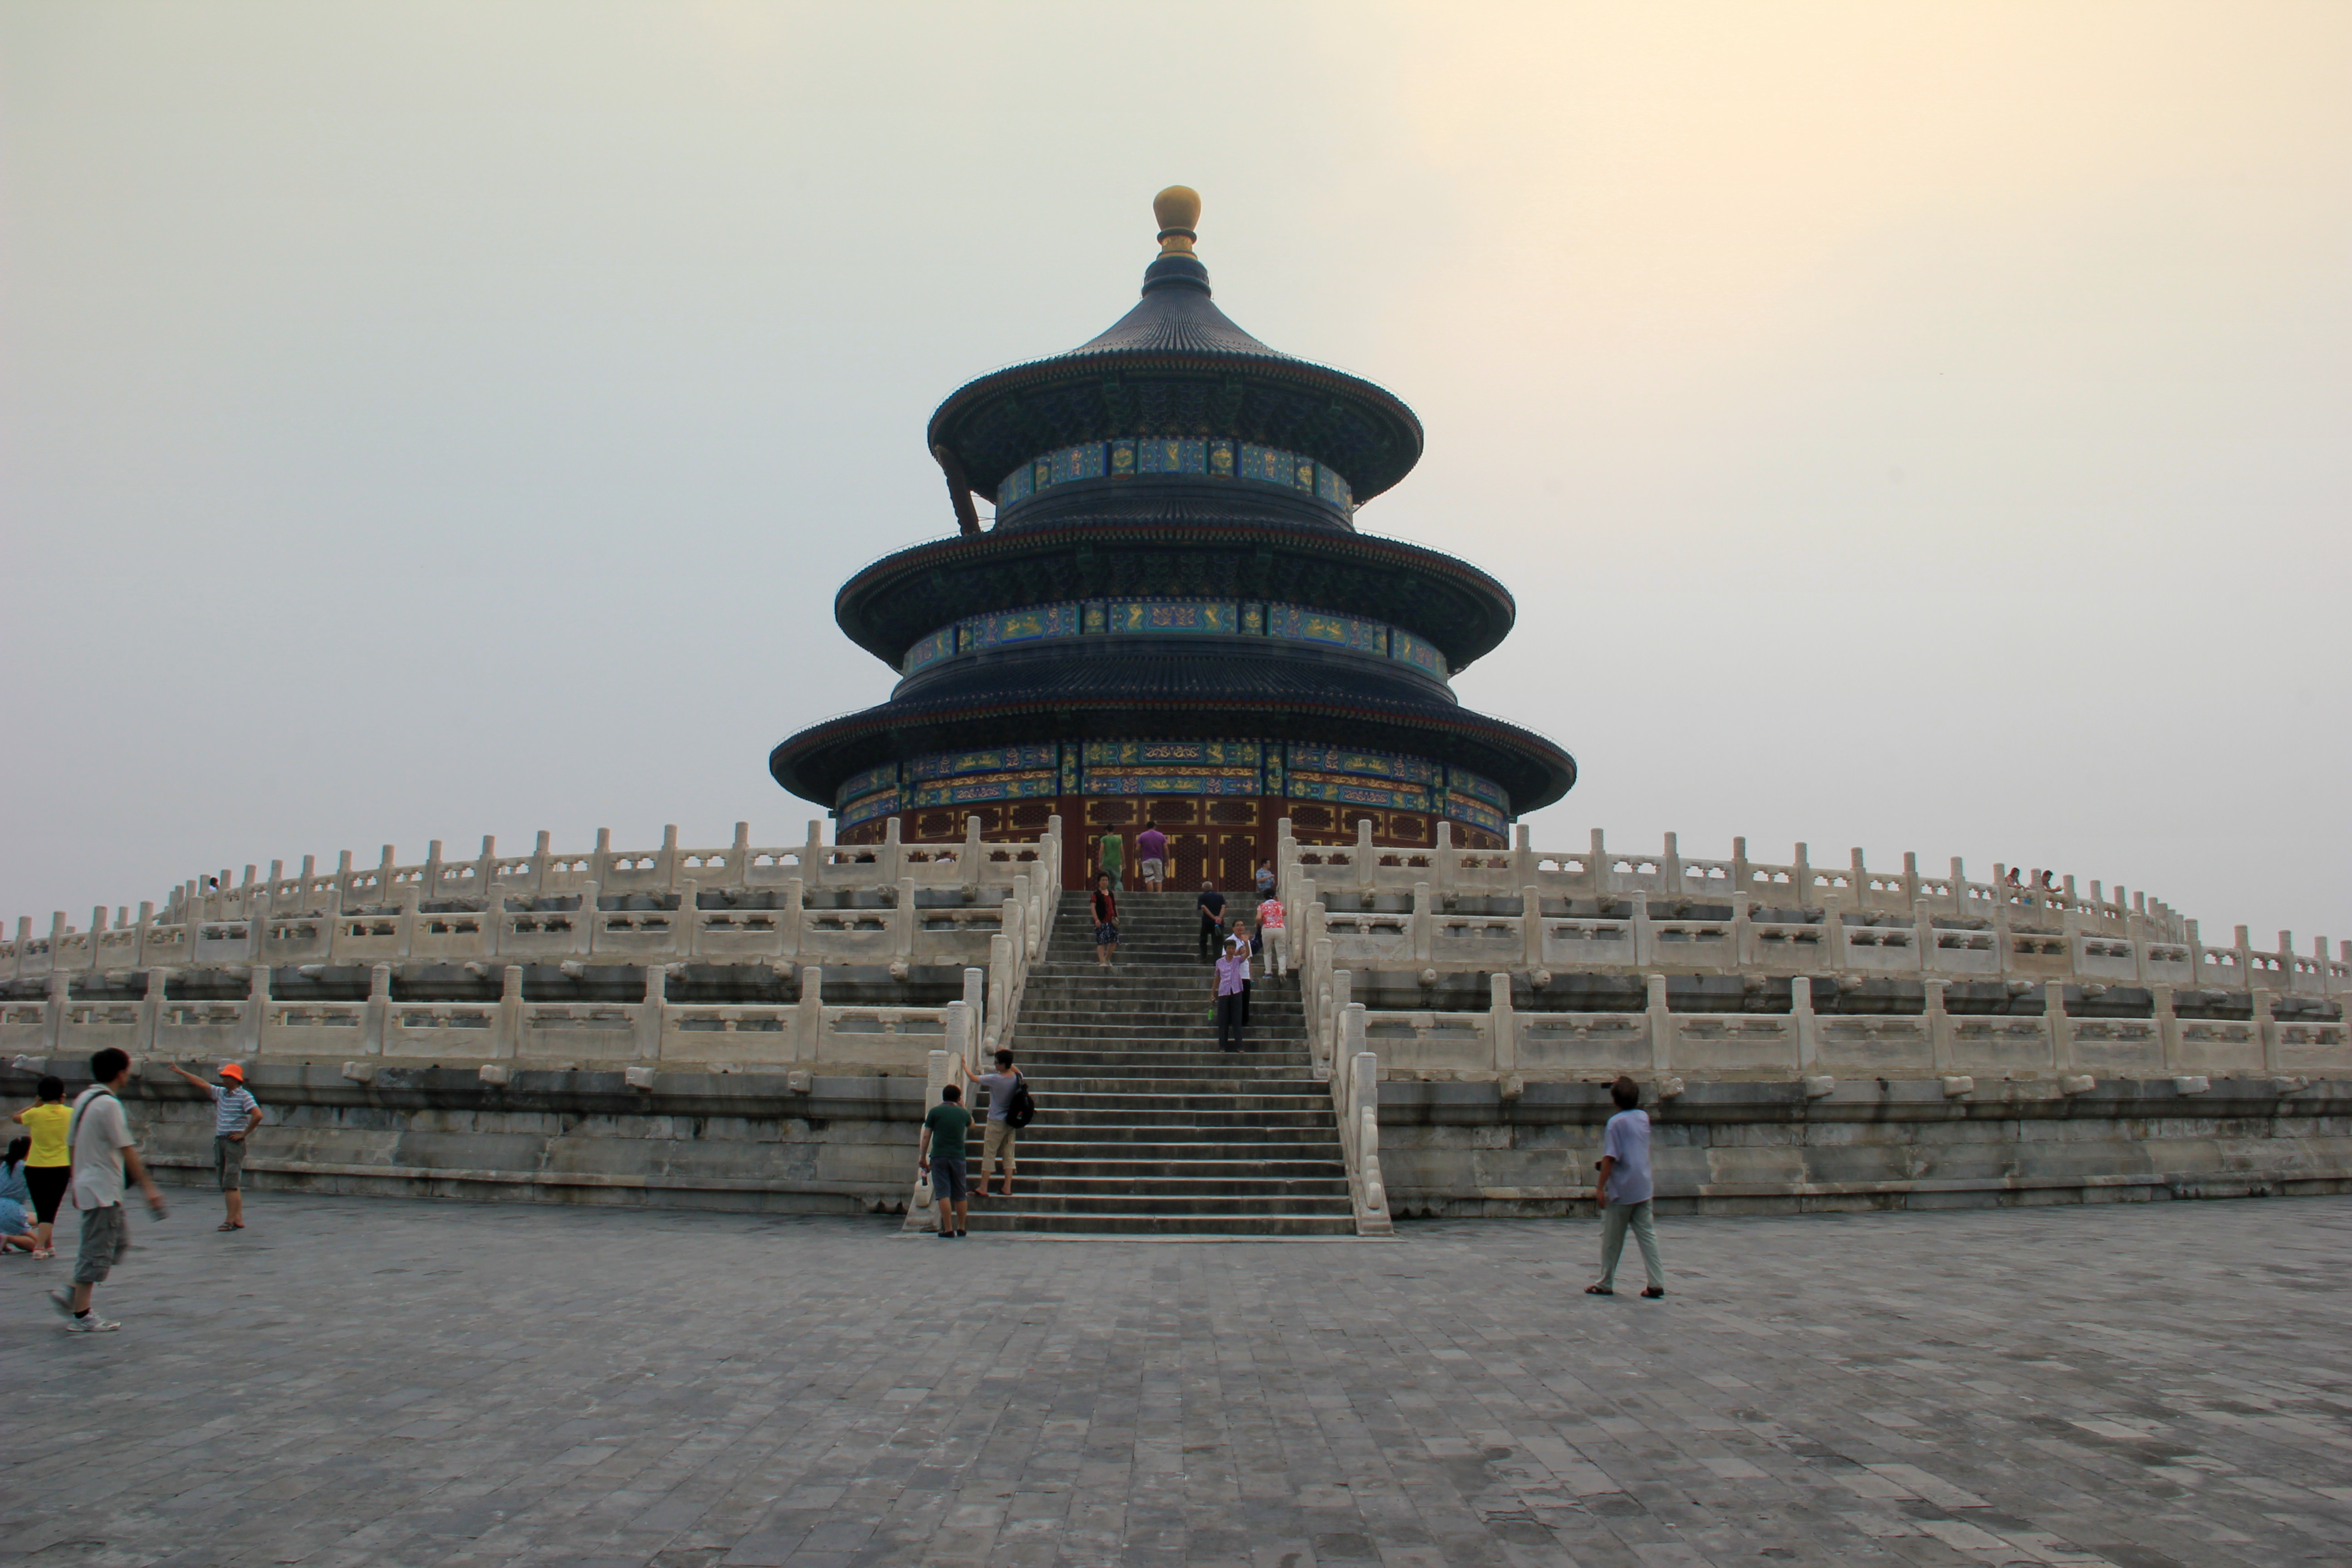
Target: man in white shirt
{"points": [[99, 1137], [1622, 1192]]}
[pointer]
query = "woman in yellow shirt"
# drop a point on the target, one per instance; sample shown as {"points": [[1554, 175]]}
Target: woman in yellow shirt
{"points": [[49, 1165]]}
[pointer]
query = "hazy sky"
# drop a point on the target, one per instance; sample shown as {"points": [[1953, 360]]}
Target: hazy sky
{"points": [[1914, 426]]}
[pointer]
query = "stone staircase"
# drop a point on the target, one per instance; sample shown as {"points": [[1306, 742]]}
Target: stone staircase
{"points": [[1143, 1126]]}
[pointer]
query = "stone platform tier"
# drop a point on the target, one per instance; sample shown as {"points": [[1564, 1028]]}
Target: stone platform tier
{"points": [[811, 956], [1143, 1125]]}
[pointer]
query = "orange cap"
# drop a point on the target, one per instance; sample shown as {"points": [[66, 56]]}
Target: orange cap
{"points": [[230, 1069]]}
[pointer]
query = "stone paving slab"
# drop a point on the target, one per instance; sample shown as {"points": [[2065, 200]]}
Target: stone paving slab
{"points": [[376, 1381]]}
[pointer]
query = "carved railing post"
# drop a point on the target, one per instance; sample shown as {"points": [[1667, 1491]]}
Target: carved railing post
{"points": [[1504, 1025], [377, 1022], [1939, 1027], [1371, 1190], [2167, 1026], [2061, 1026], [808, 1042], [1803, 1022], [1662, 1024], [975, 996], [506, 1036]]}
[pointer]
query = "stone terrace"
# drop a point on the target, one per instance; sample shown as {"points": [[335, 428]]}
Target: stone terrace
{"points": [[361, 1381]]}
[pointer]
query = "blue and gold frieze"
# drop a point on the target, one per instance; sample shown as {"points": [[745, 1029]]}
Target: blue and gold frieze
{"points": [[1239, 781], [1477, 814], [986, 787], [1358, 792], [1073, 463], [947, 764], [1410, 649], [931, 650], [1222, 618], [1172, 457], [1217, 616], [1478, 787], [872, 779], [867, 809], [1222, 459], [1363, 765], [1293, 769], [1172, 754], [1299, 624], [983, 632]]}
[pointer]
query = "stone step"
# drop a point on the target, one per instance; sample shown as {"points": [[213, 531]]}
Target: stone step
{"points": [[1150, 1203], [1239, 1224], [1295, 1085], [1113, 1039], [1123, 1103], [1205, 1194], [1085, 1005], [1127, 1062], [1125, 1175], [1210, 1121], [1144, 1127], [1162, 1140]]}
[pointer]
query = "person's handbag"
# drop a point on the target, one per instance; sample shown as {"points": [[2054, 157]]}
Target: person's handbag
{"points": [[924, 1196]]}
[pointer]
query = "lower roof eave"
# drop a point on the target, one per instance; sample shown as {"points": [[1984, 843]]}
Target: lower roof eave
{"points": [[813, 763]]}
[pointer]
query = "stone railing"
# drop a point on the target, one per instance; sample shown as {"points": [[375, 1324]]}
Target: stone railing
{"points": [[499, 1033], [2205, 1012], [1406, 921], [1599, 873], [126, 975], [1654, 1042], [882, 903]]}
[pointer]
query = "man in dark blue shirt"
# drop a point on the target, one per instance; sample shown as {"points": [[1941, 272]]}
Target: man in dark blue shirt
{"points": [[1213, 921]]}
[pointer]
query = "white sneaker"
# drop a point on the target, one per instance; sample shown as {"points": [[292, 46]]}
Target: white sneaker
{"points": [[91, 1324]]}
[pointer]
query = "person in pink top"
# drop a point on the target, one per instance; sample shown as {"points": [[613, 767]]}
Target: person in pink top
{"points": [[1269, 929], [1233, 978], [1151, 848]]}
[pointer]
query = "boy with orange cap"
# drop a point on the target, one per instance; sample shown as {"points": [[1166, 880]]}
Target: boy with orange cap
{"points": [[236, 1113]]}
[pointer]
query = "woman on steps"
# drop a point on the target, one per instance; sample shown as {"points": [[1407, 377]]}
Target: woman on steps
{"points": [[1232, 974], [1105, 921]]}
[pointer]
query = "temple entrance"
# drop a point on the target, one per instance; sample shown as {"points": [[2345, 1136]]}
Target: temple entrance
{"points": [[1213, 838]]}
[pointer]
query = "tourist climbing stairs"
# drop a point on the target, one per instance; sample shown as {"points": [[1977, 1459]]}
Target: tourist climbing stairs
{"points": [[1143, 1126]]}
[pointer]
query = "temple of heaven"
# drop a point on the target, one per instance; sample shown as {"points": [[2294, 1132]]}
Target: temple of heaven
{"points": [[1174, 618]]}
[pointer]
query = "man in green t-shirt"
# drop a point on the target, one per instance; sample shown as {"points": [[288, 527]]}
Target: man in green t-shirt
{"points": [[1111, 855], [939, 1155]]}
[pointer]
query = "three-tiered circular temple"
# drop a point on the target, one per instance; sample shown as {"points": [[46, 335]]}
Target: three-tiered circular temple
{"points": [[1173, 619]]}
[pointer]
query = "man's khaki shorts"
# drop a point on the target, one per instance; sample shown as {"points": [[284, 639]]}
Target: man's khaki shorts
{"points": [[228, 1163], [105, 1238], [1151, 870], [999, 1137]]}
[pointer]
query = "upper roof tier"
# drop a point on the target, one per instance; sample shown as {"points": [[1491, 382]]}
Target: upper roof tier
{"points": [[1176, 368]]}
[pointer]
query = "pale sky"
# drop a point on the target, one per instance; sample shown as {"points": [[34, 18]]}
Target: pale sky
{"points": [[1904, 425]]}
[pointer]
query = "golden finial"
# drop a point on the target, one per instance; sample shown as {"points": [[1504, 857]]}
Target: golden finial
{"points": [[1178, 208]]}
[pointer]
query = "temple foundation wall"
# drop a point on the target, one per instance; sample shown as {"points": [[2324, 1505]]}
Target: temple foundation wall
{"points": [[1467, 1149]]}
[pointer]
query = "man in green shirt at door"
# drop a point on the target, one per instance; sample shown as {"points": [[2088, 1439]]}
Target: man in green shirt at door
{"points": [[1111, 855]]}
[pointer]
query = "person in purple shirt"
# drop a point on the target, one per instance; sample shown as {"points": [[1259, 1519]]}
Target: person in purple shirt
{"points": [[1151, 849], [1623, 1190], [1233, 976]]}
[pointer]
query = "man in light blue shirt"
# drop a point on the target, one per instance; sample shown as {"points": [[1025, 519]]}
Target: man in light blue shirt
{"points": [[1623, 1190]]}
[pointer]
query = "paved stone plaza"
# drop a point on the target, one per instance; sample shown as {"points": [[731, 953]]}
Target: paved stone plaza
{"points": [[357, 1381]]}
